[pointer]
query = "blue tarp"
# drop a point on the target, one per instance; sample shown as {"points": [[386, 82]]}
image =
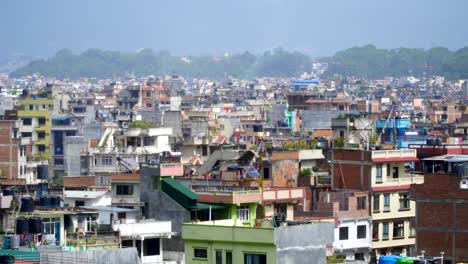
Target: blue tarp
{"points": [[251, 171]]}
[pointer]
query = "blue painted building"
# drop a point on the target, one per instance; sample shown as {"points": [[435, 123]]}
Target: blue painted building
{"points": [[398, 129]]}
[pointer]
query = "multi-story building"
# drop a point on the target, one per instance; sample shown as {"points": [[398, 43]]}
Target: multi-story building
{"points": [[354, 129], [229, 241], [35, 115], [383, 174], [352, 229], [442, 208], [130, 146]]}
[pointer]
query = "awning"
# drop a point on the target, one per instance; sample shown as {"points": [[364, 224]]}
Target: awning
{"points": [[180, 188]]}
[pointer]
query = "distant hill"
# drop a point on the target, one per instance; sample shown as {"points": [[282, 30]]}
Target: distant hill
{"points": [[371, 62], [109, 64], [366, 61]]}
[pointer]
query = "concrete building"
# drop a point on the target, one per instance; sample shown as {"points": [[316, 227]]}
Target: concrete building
{"points": [[382, 173], [228, 241], [353, 129], [126, 190], [441, 208], [352, 229]]}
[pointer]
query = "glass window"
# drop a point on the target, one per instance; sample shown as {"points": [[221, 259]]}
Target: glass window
{"points": [[122, 189], [228, 257], [219, 257], [255, 259], [378, 173], [200, 252], [106, 161], [375, 231], [386, 202], [389, 168], [361, 231], [343, 233], [27, 121], [243, 213], [404, 201], [376, 202], [361, 203], [385, 230], [398, 229]]}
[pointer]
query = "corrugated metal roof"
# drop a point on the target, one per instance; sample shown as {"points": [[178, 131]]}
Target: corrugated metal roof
{"points": [[449, 158]]}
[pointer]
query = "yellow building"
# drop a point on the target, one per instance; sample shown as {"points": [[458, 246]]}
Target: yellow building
{"points": [[35, 116]]}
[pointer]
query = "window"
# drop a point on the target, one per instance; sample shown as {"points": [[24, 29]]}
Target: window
{"points": [[219, 257], [49, 225], [40, 135], [41, 121], [228, 257], [386, 203], [21, 170], [384, 231], [200, 253], [378, 173], [412, 228], [124, 189], [389, 168], [376, 202], [243, 213], [375, 231], [395, 172], [151, 247], [361, 203], [27, 121], [341, 133], [359, 256], [41, 148], [106, 161], [255, 259], [398, 229], [404, 201], [361, 231], [79, 203], [343, 233]]}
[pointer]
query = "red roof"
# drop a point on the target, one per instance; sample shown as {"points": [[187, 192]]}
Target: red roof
{"points": [[402, 159], [391, 188]]}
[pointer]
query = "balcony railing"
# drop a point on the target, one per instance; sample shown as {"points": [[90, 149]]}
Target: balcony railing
{"points": [[394, 153], [221, 188], [406, 179]]}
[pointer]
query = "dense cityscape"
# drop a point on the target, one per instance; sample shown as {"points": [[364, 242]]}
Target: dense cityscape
{"points": [[255, 158]]}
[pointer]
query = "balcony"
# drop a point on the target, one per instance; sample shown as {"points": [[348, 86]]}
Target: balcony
{"points": [[393, 155], [402, 182], [227, 194], [282, 194]]}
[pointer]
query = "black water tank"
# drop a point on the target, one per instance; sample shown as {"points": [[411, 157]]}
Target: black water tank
{"points": [[7, 192], [430, 141], [438, 141], [42, 172], [35, 225], [7, 259], [27, 205], [55, 201], [22, 226], [44, 201]]}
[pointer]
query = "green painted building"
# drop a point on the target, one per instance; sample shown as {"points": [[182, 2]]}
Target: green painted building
{"points": [[229, 241], [222, 242]]}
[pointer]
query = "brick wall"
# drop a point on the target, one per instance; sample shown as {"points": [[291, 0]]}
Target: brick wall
{"points": [[287, 154], [285, 173], [441, 216], [8, 151], [348, 176]]}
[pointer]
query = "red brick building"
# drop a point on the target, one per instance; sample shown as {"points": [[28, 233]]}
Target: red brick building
{"points": [[442, 209]]}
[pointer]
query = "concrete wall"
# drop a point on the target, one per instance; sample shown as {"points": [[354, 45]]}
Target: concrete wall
{"points": [[103, 256], [318, 119], [303, 243], [159, 206], [173, 119], [73, 146]]}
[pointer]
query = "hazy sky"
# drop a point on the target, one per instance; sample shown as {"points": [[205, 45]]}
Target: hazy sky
{"points": [[318, 27]]}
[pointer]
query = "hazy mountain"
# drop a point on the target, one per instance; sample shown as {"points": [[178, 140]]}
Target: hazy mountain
{"points": [[213, 27]]}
